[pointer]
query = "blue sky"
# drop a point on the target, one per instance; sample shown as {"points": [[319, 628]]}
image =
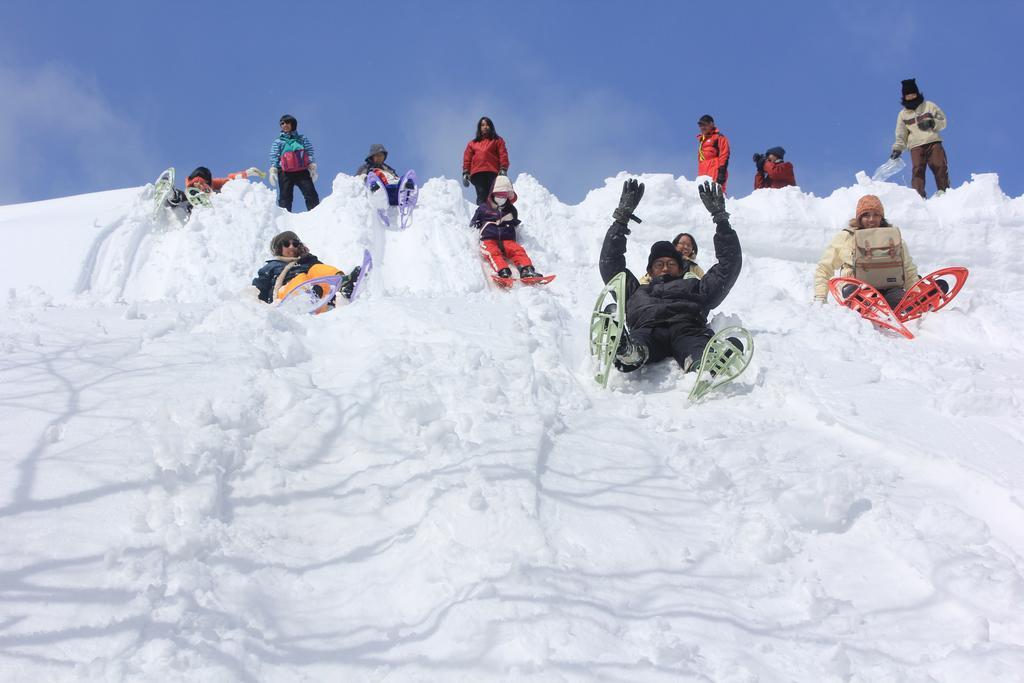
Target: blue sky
{"points": [[102, 95]]}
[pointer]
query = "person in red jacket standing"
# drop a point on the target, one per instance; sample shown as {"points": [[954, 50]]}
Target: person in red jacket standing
{"points": [[712, 151], [772, 171], [484, 160]]}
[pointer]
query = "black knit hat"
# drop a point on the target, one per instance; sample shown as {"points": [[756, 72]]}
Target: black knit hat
{"points": [[661, 250], [706, 119], [777, 151], [202, 172], [910, 87], [288, 118], [279, 239]]}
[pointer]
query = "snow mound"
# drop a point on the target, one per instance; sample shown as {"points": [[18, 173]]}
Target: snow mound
{"points": [[428, 485]]}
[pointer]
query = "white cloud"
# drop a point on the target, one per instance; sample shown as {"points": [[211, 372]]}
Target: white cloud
{"points": [[62, 135]]}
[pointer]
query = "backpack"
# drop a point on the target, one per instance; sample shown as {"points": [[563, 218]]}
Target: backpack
{"points": [[293, 155], [878, 257]]}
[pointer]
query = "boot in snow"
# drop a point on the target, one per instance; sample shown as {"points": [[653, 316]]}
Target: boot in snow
{"points": [[349, 283], [629, 356]]}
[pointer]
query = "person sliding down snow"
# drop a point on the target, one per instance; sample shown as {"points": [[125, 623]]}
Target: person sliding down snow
{"points": [[375, 163], [203, 180], [496, 219], [668, 317], [891, 272], [292, 260]]}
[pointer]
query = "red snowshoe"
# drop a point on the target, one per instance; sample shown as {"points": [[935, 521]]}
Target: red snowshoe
{"points": [[927, 295], [869, 302], [542, 280]]}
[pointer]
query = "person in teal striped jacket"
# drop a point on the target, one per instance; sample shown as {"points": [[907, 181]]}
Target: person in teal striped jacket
{"points": [[292, 164]]}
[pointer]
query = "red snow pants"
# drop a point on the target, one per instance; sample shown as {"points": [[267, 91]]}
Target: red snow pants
{"points": [[497, 252]]}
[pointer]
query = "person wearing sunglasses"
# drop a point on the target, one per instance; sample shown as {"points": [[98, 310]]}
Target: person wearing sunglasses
{"points": [[292, 165], [291, 260], [497, 219]]}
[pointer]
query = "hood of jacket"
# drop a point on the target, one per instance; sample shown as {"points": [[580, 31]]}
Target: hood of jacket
{"points": [[503, 184], [375, 149]]}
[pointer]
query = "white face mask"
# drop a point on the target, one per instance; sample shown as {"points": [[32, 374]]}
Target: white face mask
{"points": [[500, 201]]}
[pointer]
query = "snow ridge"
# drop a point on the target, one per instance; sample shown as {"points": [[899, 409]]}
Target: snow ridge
{"points": [[428, 484]]}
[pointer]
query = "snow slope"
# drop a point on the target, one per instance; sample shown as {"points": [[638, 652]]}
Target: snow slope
{"points": [[428, 485]]}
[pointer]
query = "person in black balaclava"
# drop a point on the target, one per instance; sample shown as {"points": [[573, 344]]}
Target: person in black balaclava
{"points": [[917, 128]]}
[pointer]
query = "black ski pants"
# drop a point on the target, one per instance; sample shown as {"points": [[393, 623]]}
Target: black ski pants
{"points": [[679, 341], [483, 182], [287, 182]]}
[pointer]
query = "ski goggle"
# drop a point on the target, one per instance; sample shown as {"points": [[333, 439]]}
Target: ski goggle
{"points": [[291, 243], [502, 195]]}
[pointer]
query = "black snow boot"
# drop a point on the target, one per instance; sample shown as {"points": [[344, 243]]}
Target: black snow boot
{"points": [[629, 356], [505, 273], [348, 283], [528, 271]]}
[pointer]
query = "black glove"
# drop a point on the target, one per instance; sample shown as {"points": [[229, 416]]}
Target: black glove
{"points": [[926, 124], [503, 171], [714, 201], [632, 192], [759, 159], [896, 154], [465, 180]]}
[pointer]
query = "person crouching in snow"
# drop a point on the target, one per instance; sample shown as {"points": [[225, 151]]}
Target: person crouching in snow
{"points": [[772, 171], [872, 250], [686, 245], [292, 261], [496, 219], [669, 316]]}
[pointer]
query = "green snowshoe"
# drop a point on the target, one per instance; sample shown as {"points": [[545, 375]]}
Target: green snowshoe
{"points": [[163, 188], [722, 361], [606, 325], [197, 197]]}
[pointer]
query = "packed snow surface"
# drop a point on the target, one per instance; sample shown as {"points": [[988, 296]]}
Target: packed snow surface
{"points": [[428, 484]]}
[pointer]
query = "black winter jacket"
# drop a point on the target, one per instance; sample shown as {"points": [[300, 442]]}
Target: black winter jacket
{"points": [[267, 276], [674, 300]]}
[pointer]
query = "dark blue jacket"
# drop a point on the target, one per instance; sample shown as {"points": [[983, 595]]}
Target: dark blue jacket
{"points": [[267, 276], [486, 221]]}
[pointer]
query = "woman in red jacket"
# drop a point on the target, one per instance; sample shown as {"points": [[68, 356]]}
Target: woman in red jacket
{"points": [[484, 159]]}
